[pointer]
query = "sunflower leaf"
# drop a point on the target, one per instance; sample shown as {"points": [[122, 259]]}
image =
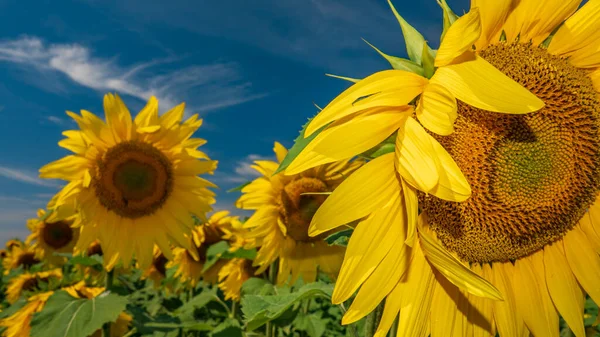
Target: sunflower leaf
{"points": [[399, 63], [258, 310], [229, 328], [313, 324], [240, 187], [340, 238], [299, 144], [413, 39], [67, 316], [214, 253]]}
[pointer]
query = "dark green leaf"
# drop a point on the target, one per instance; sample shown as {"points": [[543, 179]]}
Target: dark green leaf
{"points": [[229, 328], [186, 311], [257, 286], [399, 63], [340, 238], [241, 253], [214, 252], [66, 316], [88, 261], [258, 309], [239, 188], [413, 39], [299, 144], [313, 324]]}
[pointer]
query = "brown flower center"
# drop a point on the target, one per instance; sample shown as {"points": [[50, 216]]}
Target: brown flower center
{"points": [[57, 234], [160, 263], [533, 176], [133, 179], [27, 260], [300, 199]]}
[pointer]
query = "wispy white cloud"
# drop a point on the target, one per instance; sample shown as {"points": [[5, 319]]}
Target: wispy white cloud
{"points": [[55, 120], [26, 177], [240, 171], [205, 87]]}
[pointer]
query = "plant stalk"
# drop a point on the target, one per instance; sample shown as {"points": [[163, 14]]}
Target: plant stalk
{"points": [[273, 279], [373, 321], [110, 275], [394, 330]]}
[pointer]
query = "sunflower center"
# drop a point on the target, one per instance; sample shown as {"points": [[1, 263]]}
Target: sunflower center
{"points": [[533, 176], [299, 202], [94, 249], [160, 264], [30, 284], [27, 260], [57, 234], [133, 179]]}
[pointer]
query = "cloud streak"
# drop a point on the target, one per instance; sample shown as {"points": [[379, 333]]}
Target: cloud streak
{"points": [[26, 177], [204, 87]]}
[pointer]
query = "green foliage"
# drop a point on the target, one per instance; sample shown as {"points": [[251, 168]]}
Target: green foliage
{"points": [[299, 144], [67, 316], [340, 238]]}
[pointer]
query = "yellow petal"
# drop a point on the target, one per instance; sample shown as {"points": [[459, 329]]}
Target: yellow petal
{"points": [[481, 85], [381, 282], [415, 159], [550, 15], [529, 300], [454, 270], [584, 262], [406, 86], [345, 139], [172, 117], [390, 311], [148, 116], [508, 321], [563, 288], [280, 151], [459, 38], [548, 308], [416, 297], [411, 202], [118, 116], [437, 109], [365, 191], [493, 14], [370, 242], [452, 184], [595, 77], [580, 30], [480, 312], [443, 307], [67, 168], [586, 57], [588, 228]]}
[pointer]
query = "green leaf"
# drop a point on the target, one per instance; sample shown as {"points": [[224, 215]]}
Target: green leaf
{"points": [[88, 261], [241, 253], [186, 311], [48, 213], [349, 79], [229, 328], [428, 61], [214, 252], [313, 324], [340, 238], [413, 39], [259, 310], [239, 188], [66, 316], [257, 286], [399, 63], [449, 16], [299, 144]]}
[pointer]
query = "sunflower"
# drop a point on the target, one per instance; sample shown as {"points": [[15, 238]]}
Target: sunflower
{"points": [[135, 183], [284, 206], [233, 275], [19, 256], [17, 325], [29, 282], [3, 253], [53, 234], [190, 262], [10, 244], [529, 233], [157, 270]]}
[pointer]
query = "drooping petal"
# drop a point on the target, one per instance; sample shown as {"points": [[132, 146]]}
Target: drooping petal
{"points": [[366, 190], [452, 184], [454, 270], [508, 321], [370, 242], [437, 109], [67, 168], [493, 14], [548, 309], [480, 312], [478, 83], [346, 139], [406, 85], [580, 30], [586, 57], [564, 290], [459, 38], [584, 262], [548, 15], [411, 202], [390, 310], [443, 307]]}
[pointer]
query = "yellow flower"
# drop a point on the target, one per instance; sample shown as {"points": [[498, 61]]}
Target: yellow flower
{"points": [[17, 325], [53, 234], [530, 232], [28, 282], [10, 244], [233, 274], [190, 262], [135, 182], [19, 256], [284, 206], [157, 270]]}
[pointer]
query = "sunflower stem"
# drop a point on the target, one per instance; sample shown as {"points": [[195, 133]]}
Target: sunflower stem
{"points": [[110, 275], [394, 330], [234, 308], [273, 279], [373, 320]]}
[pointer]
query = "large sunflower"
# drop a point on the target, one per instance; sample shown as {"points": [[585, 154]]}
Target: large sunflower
{"points": [[19, 256], [52, 234], [530, 232], [135, 183], [233, 275], [29, 282], [17, 325], [190, 262], [284, 206]]}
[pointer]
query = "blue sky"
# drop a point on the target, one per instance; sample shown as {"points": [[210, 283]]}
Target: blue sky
{"points": [[251, 69]]}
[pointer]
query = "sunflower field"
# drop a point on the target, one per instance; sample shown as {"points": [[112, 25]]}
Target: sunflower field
{"points": [[455, 194]]}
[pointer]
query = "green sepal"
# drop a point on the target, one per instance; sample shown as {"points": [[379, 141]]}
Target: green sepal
{"points": [[399, 63], [340, 238], [449, 17], [349, 79], [299, 144], [428, 61], [240, 187], [413, 39]]}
